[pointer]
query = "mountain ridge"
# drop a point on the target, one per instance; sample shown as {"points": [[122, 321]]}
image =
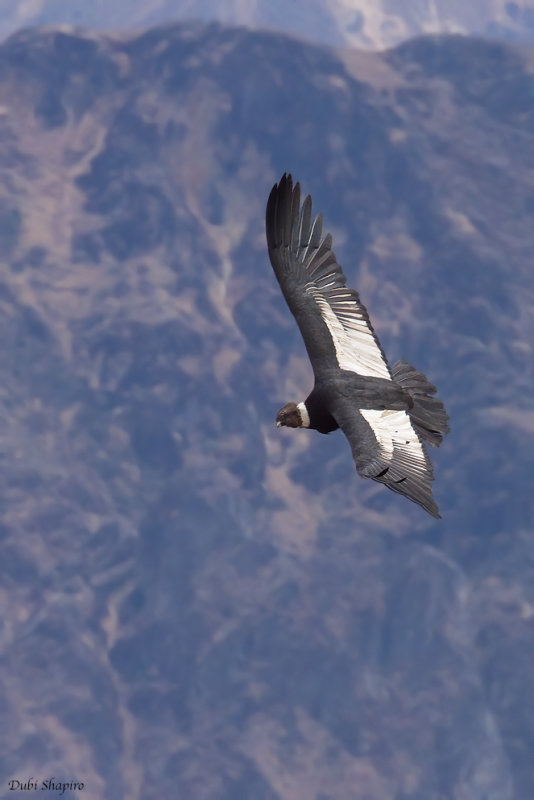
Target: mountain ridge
{"points": [[352, 23]]}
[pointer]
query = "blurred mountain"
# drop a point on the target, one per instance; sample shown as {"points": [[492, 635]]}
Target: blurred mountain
{"points": [[354, 23], [195, 604]]}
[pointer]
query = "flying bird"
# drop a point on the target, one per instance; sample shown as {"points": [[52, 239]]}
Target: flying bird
{"points": [[388, 414]]}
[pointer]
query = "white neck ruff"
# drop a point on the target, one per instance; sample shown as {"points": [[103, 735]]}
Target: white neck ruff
{"points": [[305, 417]]}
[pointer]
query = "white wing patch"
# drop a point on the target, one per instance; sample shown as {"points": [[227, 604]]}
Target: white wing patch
{"points": [[396, 438], [354, 341]]}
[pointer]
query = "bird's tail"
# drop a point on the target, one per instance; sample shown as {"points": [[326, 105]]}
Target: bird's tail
{"points": [[428, 414]]}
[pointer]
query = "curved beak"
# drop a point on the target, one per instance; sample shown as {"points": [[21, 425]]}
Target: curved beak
{"points": [[278, 423]]}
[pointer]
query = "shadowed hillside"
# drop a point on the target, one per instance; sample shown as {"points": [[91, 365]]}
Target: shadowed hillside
{"points": [[194, 603]]}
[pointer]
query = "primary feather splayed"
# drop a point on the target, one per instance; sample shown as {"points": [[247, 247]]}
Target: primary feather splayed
{"points": [[387, 414]]}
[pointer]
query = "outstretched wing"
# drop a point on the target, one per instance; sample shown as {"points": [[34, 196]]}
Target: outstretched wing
{"points": [[333, 322], [386, 448]]}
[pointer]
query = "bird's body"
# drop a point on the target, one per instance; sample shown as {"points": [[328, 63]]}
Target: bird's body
{"points": [[386, 413]]}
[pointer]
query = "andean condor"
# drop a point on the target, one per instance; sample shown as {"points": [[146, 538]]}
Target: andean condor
{"points": [[387, 414]]}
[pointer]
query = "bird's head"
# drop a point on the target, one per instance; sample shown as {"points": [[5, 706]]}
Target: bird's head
{"points": [[289, 416]]}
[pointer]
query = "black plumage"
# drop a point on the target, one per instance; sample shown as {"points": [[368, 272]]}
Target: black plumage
{"points": [[387, 414]]}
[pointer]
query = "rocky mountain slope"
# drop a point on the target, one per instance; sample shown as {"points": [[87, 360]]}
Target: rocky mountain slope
{"points": [[195, 604], [356, 23]]}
